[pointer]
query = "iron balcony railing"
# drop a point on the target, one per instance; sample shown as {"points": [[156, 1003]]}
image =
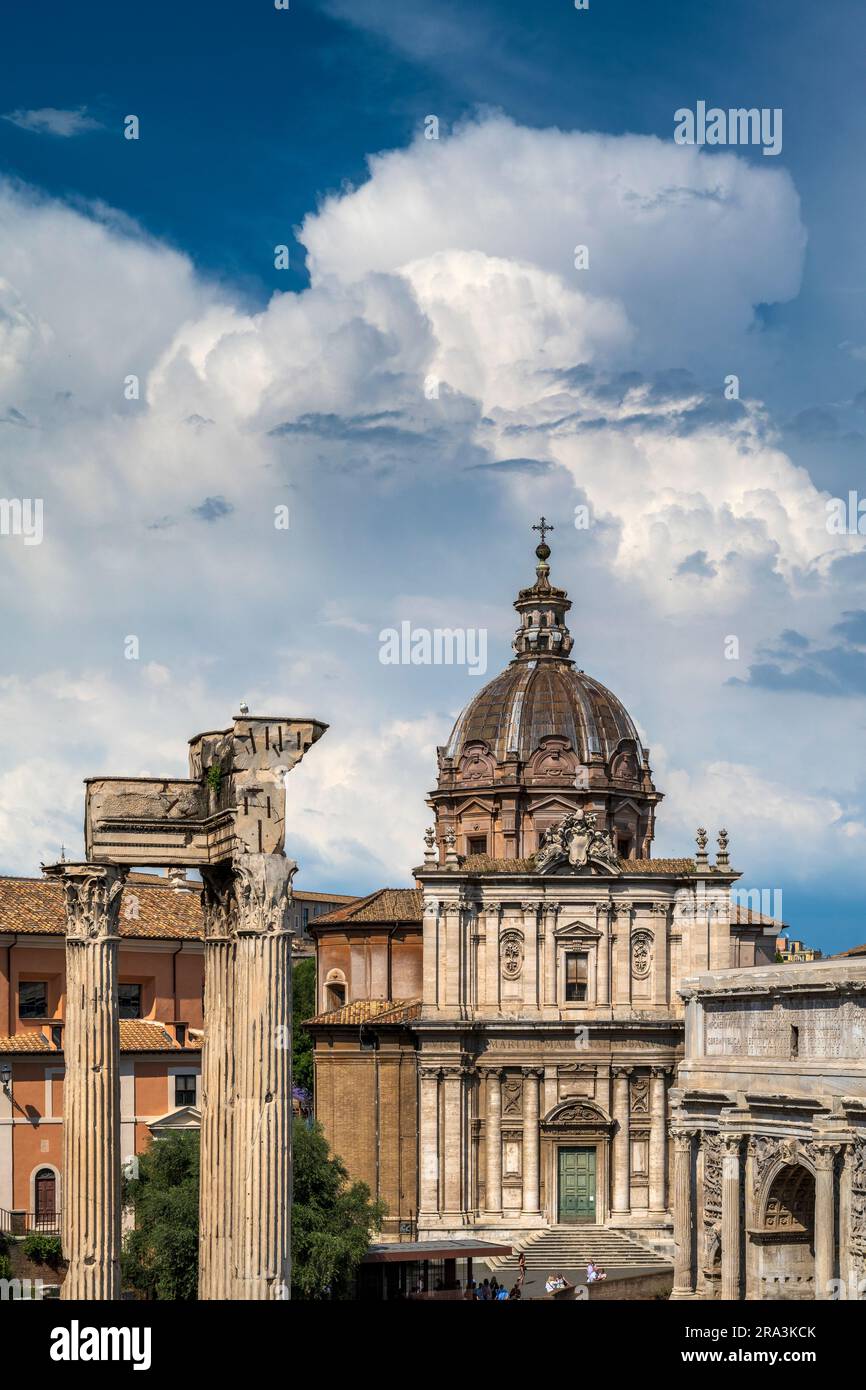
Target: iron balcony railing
{"points": [[22, 1223]]}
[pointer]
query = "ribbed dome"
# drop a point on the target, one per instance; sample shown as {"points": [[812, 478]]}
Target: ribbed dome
{"points": [[533, 699]]}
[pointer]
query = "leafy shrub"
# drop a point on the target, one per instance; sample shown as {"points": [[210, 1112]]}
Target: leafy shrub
{"points": [[42, 1249]]}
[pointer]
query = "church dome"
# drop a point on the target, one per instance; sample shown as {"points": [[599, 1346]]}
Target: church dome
{"points": [[539, 741], [532, 700]]}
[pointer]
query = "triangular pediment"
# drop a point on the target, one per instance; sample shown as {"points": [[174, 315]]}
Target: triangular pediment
{"points": [[625, 803], [473, 806], [185, 1117], [552, 803], [580, 930]]}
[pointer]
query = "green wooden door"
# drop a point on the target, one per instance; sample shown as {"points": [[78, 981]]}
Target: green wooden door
{"points": [[577, 1184]]}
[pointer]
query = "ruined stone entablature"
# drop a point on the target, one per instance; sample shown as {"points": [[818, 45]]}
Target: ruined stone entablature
{"points": [[232, 802]]}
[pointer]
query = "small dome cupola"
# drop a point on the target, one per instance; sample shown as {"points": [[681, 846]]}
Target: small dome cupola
{"points": [[542, 609]]}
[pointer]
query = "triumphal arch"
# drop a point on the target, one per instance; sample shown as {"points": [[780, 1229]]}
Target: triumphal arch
{"points": [[227, 819]]}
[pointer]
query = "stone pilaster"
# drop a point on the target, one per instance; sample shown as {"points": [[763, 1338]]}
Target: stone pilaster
{"points": [[661, 946], [452, 1140], [603, 989], [657, 1142], [262, 1147], [91, 1092], [493, 974], [493, 1197], [431, 952], [731, 1224], [549, 918], [620, 1195], [531, 1193], [684, 1275], [216, 1200], [825, 1235], [428, 1198]]}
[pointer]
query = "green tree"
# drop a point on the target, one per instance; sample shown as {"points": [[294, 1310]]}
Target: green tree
{"points": [[332, 1221], [160, 1257], [303, 1007]]}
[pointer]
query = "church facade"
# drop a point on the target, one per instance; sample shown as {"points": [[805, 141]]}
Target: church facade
{"points": [[540, 956]]}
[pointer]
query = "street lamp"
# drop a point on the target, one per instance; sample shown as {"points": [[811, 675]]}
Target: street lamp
{"points": [[5, 1076]]}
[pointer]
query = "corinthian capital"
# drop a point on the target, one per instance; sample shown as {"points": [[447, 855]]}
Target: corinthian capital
{"points": [[263, 892], [92, 895], [218, 901]]}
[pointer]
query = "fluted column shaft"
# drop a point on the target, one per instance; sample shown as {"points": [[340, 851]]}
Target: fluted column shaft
{"points": [[620, 1199], [91, 1227], [262, 1138], [531, 1203], [682, 1206], [731, 1225], [825, 1237], [216, 1201], [657, 1142], [493, 1199]]}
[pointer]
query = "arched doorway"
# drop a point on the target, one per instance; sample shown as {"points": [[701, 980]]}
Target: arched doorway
{"points": [[786, 1234], [45, 1199], [575, 1144]]}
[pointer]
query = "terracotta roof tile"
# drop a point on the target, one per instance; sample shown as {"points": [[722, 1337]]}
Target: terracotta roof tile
{"points": [[139, 1035], [299, 895], [377, 1011], [35, 906], [25, 1042], [745, 917], [385, 905], [136, 1035]]}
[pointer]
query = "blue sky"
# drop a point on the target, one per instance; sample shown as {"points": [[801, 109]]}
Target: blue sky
{"points": [[304, 386]]}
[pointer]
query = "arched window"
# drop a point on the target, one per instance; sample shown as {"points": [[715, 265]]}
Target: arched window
{"points": [[791, 1200], [335, 989]]}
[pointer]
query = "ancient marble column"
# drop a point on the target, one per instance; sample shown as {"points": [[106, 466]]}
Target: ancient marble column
{"points": [[825, 1236], [216, 1200], [847, 1274], [657, 1142], [428, 1197], [731, 1224], [531, 1204], [750, 1212], [91, 1092], [493, 1198], [452, 1140], [682, 1208], [262, 1147], [620, 1193]]}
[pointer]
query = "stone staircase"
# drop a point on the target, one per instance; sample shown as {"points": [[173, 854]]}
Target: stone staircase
{"points": [[572, 1247]]}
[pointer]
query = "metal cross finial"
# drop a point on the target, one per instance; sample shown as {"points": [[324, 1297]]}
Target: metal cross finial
{"points": [[543, 526]]}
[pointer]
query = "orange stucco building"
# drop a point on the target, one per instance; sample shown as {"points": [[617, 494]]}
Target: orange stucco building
{"points": [[160, 985]]}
